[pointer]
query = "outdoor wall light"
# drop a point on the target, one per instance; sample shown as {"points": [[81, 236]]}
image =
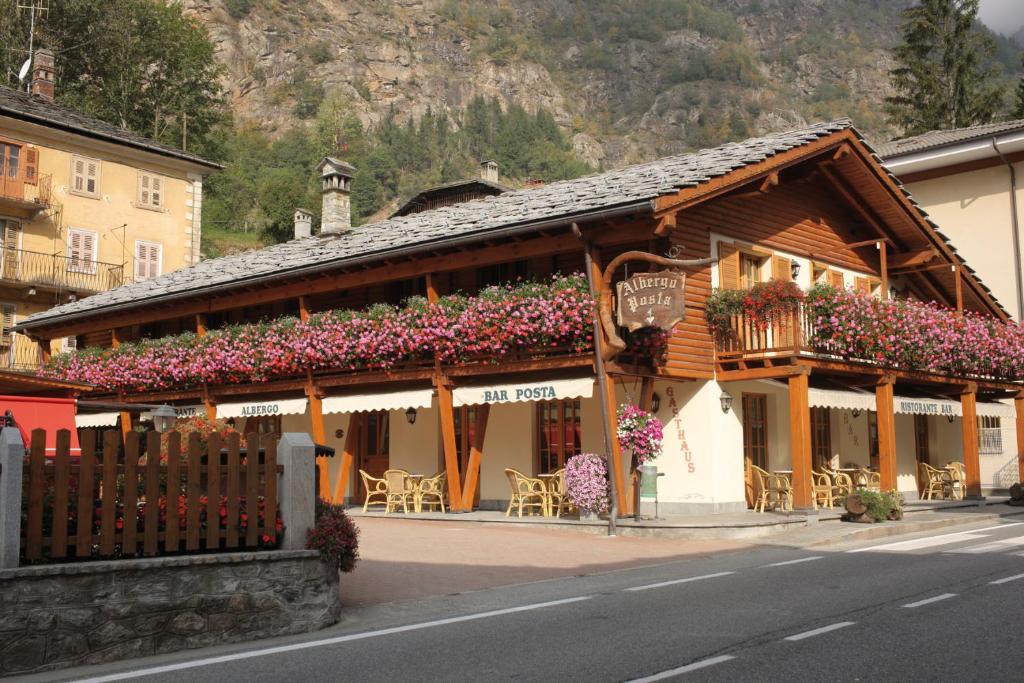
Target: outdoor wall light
{"points": [[949, 419], [164, 418], [410, 416], [655, 403], [856, 413], [726, 400], [338, 433], [794, 268]]}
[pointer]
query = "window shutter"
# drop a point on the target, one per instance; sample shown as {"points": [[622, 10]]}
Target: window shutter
{"points": [[836, 279], [728, 266], [140, 261], [155, 195], [781, 269], [78, 175], [7, 313], [143, 189], [88, 248], [862, 285], [70, 343], [92, 177], [31, 166]]}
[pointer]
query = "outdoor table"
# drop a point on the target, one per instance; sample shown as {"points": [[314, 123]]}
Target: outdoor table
{"points": [[546, 480], [412, 482]]}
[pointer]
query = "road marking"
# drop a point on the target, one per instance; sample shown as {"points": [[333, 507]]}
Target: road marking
{"points": [[702, 664], [928, 601], [802, 559], [960, 535], [819, 631], [675, 581], [326, 641], [1008, 579], [992, 547]]}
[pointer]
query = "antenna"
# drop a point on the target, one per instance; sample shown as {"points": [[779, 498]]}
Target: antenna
{"points": [[34, 7]]}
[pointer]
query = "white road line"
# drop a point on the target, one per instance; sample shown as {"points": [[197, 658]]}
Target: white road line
{"points": [[675, 581], [992, 547], [819, 631], [326, 641], [702, 664], [960, 535], [802, 559], [1008, 579], [928, 601]]}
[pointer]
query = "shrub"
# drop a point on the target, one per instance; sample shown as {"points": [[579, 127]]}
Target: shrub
{"points": [[586, 482], [335, 536], [880, 505], [720, 308]]}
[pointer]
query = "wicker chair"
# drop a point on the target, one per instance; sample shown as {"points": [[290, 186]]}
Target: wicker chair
{"points": [[934, 481], [399, 491], [375, 488], [556, 493], [770, 490], [959, 476], [782, 489], [526, 492], [431, 491], [842, 485], [822, 489]]}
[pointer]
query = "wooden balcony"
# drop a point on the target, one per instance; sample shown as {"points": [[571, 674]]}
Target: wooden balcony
{"points": [[748, 341], [23, 199], [18, 352], [55, 271]]}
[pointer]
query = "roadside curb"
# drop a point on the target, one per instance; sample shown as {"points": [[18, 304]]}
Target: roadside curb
{"points": [[875, 531]]}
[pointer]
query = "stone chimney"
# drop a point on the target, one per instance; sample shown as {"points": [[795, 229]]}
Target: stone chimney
{"points": [[303, 223], [42, 75], [489, 170], [336, 188]]}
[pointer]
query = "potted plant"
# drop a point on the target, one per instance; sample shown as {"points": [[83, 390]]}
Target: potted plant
{"points": [[641, 433], [586, 484]]}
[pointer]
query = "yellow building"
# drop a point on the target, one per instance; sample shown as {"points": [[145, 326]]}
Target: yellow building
{"points": [[84, 207], [971, 182]]}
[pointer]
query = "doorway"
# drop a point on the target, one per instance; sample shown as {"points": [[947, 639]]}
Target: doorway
{"points": [[755, 438], [11, 178], [374, 445]]}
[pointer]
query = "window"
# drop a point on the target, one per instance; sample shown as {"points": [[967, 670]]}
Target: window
{"points": [[148, 256], [740, 268], [867, 285], [263, 425], [873, 439], [10, 164], [990, 435], [500, 273], [821, 437], [558, 433], [151, 191], [85, 176], [81, 250], [8, 316]]}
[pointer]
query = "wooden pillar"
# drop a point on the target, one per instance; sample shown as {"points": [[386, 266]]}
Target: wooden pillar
{"points": [[303, 309], [355, 424], [451, 455], [45, 350], [646, 393], [883, 257], [476, 451], [115, 339], [959, 290], [1018, 404], [126, 422], [972, 461], [886, 433], [200, 324], [800, 441], [316, 418]]}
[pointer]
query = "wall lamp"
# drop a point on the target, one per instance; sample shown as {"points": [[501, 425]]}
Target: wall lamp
{"points": [[410, 416], [655, 403], [726, 400], [794, 268]]}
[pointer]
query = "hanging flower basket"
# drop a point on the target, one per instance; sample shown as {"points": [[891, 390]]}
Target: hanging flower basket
{"points": [[639, 432]]}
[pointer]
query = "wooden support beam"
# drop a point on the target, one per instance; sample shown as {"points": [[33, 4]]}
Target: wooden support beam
{"points": [[777, 372], [800, 441], [841, 152], [1018, 404], [303, 308], [625, 503], [115, 338], [45, 350], [646, 393], [126, 422], [476, 452], [451, 455], [854, 201], [666, 224], [910, 259], [886, 432], [959, 289], [200, 324], [883, 260], [770, 181], [348, 453], [316, 418], [969, 422]]}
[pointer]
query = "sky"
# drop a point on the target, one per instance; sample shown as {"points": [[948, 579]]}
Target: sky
{"points": [[1002, 16]]}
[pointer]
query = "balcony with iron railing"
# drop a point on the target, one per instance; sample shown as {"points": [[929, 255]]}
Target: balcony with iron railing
{"points": [[18, 352], [56, 271], [26, 199]]}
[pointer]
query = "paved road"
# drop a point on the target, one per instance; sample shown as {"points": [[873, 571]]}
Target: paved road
{"points": [[943, 606]]}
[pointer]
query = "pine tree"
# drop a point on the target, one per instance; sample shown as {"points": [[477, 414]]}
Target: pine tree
{"points": [[1018, 110], [940, 78]]}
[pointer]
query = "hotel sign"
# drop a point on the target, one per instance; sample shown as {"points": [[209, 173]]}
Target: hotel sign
{"points": [[651, 300]]}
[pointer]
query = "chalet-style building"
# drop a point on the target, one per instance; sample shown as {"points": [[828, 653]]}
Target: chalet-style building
{"points": [[811, 205], [85, 207], [457, 192]]}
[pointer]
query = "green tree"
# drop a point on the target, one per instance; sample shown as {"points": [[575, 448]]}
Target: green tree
{"points": [[1018, 110], [941, 80]]}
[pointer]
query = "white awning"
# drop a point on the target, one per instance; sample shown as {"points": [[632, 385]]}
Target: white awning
{"points": [[285, 406], [943, 407], [96, 419], [550, 390], [996, 409], [391, 400], [840, 399], [180, 412]]}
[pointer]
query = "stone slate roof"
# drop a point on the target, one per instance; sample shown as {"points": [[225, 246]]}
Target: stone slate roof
{"points": [[630, 186], [34, 109], [485, 186], [942, 138]]}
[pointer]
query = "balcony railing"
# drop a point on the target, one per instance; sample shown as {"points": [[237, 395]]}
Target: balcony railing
{"points": [[35, 196], [747, 338], [59, 272], [18, 352]]}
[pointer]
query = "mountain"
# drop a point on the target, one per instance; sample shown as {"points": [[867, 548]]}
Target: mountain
{"points": [[626, 79]]}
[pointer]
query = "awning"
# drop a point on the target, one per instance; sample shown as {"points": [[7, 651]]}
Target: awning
{"points": [[995, 410], [943, 407], [180, 412], [391, 400], [840, 399], [96, 419], [285, 406], [550, 390]]}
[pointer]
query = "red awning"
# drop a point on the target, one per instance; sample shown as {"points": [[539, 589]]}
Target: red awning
{"points": [[50, 414]]}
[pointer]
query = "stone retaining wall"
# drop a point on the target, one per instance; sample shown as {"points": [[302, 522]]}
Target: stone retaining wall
{"points": [[53, 616]]}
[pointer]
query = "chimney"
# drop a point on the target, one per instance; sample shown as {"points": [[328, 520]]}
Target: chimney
{"points": [[303, 223], [336, 188], [489, 170], [42, 75]]}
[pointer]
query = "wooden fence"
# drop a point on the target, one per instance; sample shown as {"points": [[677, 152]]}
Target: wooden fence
{"points": [[147, 496]]}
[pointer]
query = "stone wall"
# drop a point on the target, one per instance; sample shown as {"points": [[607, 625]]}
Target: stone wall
{"points": [[53, 616]]}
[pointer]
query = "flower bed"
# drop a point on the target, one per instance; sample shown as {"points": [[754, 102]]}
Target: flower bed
{"points": [[498, 322], [763, 304], [911, 335]]}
